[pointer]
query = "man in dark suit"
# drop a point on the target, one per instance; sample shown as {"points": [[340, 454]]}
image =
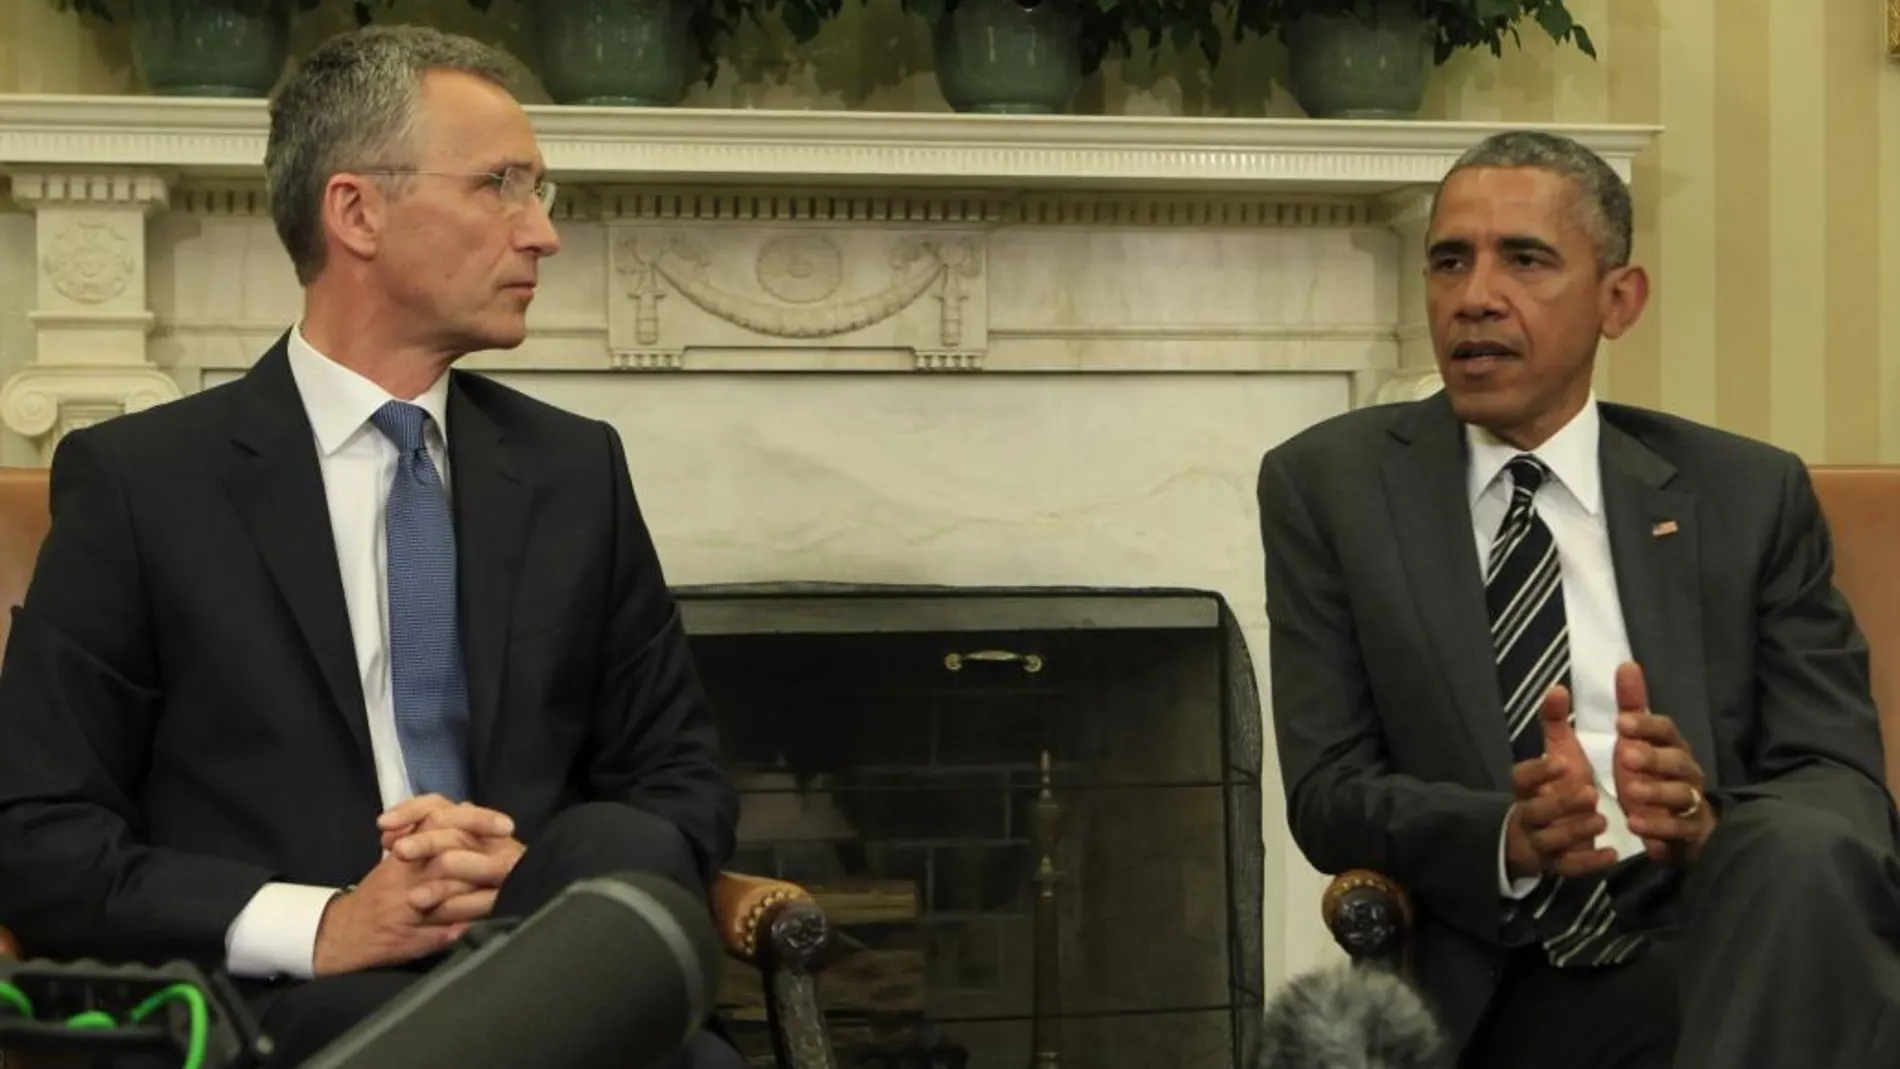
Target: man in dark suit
{"points": [[1575, 674], [321, 666]]}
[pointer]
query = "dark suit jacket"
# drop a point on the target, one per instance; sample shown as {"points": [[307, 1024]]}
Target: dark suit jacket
{"points": [[1385, 696], [181, 718]]}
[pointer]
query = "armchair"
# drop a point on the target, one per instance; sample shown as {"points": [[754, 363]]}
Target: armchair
{"points": [[1371, 916], [771, 925]]}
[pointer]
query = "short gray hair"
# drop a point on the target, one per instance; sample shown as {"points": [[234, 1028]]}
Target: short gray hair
{"points": [[353, 104], [1604, 197]]}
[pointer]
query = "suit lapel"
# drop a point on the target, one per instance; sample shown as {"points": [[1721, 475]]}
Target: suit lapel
{"points": [[1425, 487], [276, 486], [1653, 543], [491, 529]]}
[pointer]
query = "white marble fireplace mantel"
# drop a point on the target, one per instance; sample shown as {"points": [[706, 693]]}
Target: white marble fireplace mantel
{"points": [[850, 347], [872, 242], [706, 146]]}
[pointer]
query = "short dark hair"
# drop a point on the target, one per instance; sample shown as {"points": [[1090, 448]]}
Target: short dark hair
{"points": [[1604, 196]]}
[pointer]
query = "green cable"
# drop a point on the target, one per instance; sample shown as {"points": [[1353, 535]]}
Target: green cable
{"points": [[17, 998], [189, 995], [200, 1018]]}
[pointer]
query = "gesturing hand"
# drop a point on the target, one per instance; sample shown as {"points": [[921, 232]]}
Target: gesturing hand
{"points": [[1554, 824], [1658, 782]]}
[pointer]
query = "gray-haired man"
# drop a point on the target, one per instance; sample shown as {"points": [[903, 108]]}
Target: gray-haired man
{"points": [[321, 666]]}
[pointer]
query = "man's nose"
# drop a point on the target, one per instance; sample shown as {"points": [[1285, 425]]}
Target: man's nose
{"points": [[538, 234], [1479, 298]]}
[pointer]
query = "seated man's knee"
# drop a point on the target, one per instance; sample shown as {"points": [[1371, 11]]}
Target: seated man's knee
{"points": [[1792, 846], [596, 838]]}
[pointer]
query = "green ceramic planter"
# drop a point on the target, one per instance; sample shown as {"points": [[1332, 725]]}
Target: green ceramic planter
{"points": [[1342, 66], [627, 53], [206, 49], [1004, 58]]}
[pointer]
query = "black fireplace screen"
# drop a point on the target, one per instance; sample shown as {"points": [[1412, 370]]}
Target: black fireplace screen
{"points": [[1033, 813]]}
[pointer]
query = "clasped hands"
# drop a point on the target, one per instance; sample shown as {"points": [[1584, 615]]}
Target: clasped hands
{"points": [[1554, 824], [442, 864]]}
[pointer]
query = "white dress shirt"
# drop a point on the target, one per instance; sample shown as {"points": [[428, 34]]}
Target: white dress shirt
{"points": [[1571, 505], [276, 934]]}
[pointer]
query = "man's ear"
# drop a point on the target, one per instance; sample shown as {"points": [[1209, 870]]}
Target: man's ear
{"points": [[1625, 293], [353, 209]]}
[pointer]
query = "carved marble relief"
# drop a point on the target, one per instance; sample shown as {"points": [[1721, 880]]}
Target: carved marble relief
{"points": [[92, 320], [679, 289], [89, 261]]}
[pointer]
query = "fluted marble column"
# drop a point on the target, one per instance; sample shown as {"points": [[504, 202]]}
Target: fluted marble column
{"points": [[1409, 214]]}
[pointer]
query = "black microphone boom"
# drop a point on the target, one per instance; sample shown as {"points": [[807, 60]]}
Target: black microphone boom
{"points": [[619, 970]]}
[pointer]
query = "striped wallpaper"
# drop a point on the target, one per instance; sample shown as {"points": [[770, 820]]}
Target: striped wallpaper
{"points": [[1772, 238]]}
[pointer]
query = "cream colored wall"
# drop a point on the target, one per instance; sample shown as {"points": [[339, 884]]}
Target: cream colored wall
{"points": [[1769, 212], [43, 50]]}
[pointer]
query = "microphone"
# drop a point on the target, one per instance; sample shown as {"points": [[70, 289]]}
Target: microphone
{"points": [[1351, 1017], [618, 970]]}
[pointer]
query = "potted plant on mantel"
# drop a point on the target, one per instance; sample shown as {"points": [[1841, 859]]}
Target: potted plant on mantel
{"points": [[210, 48], [639, 53], [1028, 57], [1368, 59]]}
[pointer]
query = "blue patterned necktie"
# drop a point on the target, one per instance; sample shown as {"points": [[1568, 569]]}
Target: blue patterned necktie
{"points": [[427, 682]]}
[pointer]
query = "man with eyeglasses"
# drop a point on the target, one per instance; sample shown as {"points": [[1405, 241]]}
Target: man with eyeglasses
{"points": [[321, 666]]}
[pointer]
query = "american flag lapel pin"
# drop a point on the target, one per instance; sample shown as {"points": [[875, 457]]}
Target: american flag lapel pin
{"points": [[1663, 529]]}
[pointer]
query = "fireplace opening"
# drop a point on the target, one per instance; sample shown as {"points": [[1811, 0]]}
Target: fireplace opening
{"points": [[1034, 814]]}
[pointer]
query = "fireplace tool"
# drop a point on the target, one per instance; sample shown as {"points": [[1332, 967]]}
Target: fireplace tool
{"points": [[1046, 1010]]}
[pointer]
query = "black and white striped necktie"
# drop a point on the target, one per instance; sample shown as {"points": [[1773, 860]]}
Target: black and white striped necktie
{"points": [[1523, 588]]}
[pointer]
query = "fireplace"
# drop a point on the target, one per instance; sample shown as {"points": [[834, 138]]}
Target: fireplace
{"points": [[1034, 814]]}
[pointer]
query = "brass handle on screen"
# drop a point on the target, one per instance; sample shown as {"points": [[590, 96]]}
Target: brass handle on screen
{"points": [[1031, 662]]}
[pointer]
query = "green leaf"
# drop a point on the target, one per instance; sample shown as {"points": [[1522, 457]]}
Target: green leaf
{"points": [[802, 21], [928, 10], [1582, 37], [1496, 10], [1210, 42], [1555, 21]]}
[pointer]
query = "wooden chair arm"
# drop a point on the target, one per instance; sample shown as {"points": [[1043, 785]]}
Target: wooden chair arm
{"points": [[1370, 917], [768, 922], [756, 915]]}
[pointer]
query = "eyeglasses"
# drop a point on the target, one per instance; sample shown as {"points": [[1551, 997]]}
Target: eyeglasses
{"points": [[515, 185]]}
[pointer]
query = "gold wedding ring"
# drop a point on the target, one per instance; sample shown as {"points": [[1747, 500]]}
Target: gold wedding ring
{"points": [[1694, 807]]}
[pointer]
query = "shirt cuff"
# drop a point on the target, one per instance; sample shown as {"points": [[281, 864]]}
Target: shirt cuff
{"points": [[1509, 888], [276, 933]]}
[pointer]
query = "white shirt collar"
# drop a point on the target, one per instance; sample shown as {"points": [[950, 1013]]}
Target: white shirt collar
{"points": [[1571, 455], [340, 402]]}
